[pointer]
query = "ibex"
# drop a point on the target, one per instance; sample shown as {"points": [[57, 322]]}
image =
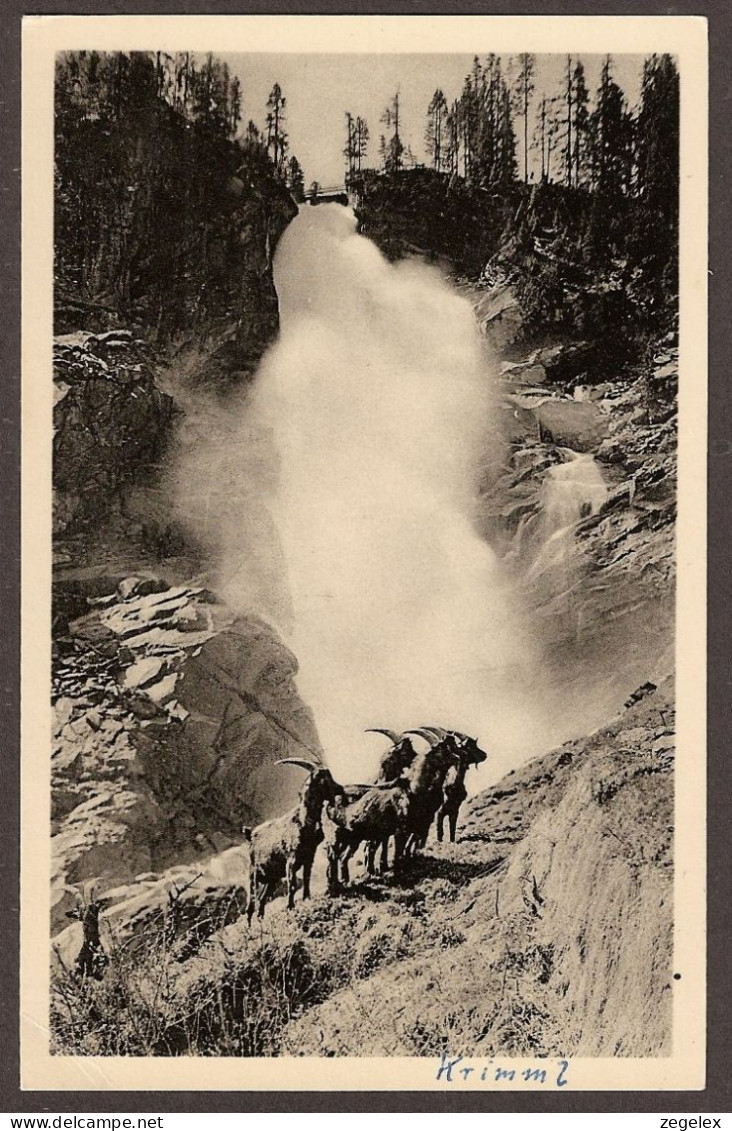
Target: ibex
{"points": [[399, 808], [444, 796], [91, 960], [392, 765], [367, 814], [279, 848]]}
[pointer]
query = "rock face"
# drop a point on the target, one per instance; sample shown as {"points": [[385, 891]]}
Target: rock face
{"points": [[111, 423], [170, 713], [588, 541]]}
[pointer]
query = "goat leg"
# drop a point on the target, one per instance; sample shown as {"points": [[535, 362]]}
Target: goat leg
{"points": [[348, 853], [263, 897], [332, 871], [306, 872], [452, 818], [291, 884], [370, 857], [400, 846]]}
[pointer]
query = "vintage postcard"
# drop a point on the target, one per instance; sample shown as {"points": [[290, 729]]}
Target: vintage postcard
{"points": [[364, 442]]}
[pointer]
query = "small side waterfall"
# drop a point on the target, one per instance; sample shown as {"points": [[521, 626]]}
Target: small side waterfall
{"points": [[544, 548], [572, 490]]}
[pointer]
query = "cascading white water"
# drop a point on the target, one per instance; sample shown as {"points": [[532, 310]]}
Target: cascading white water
{"points": [[570, 491], [336, 499], [377, 400]]}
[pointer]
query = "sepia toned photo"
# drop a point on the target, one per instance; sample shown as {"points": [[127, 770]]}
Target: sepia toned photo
{"points": [[364, 447]]}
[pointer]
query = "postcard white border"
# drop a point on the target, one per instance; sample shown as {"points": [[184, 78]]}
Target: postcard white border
{"points": [[43, 36]]}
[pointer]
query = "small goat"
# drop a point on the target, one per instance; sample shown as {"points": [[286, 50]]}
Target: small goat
{"points": [[279, 848], [91, 960]]}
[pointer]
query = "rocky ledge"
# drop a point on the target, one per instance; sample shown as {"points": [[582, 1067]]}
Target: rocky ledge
{"points": [[169, 714]]}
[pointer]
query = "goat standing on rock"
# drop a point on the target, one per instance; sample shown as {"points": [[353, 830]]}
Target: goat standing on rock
{"points": [[280, 847], [368, 814], [403, 808], [454, 792]]}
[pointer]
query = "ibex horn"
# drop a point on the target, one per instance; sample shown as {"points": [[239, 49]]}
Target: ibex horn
{"points": [[309, 766], [439, 732], [423, 733], [373, 784], [89, 891], [391, 734]]}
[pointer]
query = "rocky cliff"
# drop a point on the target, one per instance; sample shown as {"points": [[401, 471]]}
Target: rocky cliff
{"points": [[169, 709], [169, 714], [583, 510]]}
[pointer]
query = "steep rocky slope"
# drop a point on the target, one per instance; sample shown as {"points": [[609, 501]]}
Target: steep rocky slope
{"points": [[169, 715], [583, 509], [545, 930], [111, 423]]}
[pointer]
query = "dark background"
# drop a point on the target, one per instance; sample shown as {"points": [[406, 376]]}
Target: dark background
{"points": [[716, 1097]]}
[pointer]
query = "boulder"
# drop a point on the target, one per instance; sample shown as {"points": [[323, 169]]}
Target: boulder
{"points": [[580, 425]]}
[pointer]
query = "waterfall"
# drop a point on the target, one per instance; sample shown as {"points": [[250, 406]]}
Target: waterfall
{"points": [[377, 401], [570, 491]]}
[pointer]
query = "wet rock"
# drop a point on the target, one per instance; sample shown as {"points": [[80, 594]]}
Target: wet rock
{"points": [[145, 670], [580, 425], [499, 317], [138, 587]]}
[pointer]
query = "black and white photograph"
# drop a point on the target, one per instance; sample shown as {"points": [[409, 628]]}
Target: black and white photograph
{"points": [[370, 520]]}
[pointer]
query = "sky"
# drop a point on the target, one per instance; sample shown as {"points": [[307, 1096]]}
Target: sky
{"points": [[320, 89]]}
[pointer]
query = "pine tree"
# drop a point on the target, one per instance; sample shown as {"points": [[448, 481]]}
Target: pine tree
{"points": [[581, 125], [523, 90], [505, 165], [295, 179], [541, 134], [362, 141], [568, 111], [349, 150], [466, 116], [393, 152], [253, 140], [436, 132], [277, 140], [612, 138], [655, 237], [493, 141], [234, 106], [452, 127]]}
